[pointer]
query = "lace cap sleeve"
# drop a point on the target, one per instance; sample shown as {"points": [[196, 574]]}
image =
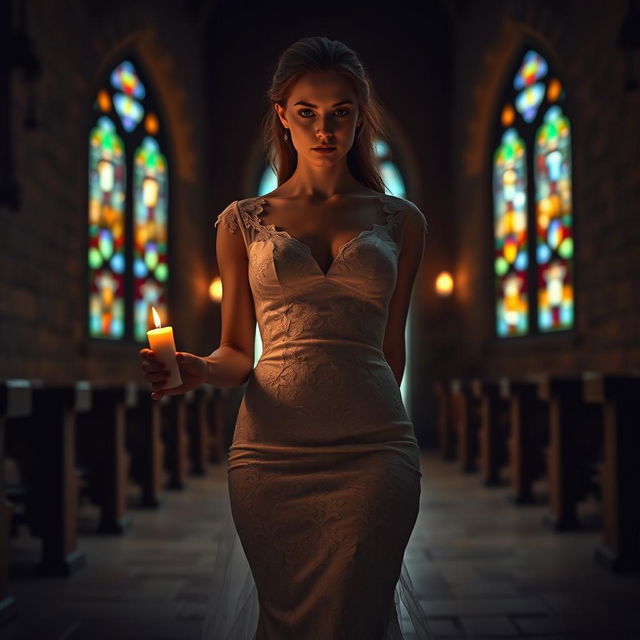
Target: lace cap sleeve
{"points": [[410, 219], [229, 218]]}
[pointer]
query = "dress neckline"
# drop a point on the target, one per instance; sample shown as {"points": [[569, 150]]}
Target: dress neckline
{"points": [[254, 207]]}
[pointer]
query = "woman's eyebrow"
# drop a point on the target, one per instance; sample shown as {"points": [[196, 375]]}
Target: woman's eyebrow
{"points": [[315, 106]]}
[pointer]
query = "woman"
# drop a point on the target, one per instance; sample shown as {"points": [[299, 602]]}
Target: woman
{"points": [[324, 471]]}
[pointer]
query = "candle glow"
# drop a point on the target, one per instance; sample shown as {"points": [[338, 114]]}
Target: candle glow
{"points": [[161, 341]]}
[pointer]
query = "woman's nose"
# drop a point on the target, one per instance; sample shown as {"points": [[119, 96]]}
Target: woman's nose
{"points": [[325, 126]]}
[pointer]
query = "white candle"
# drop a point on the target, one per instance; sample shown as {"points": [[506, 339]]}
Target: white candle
{"points": [[161, 341]]}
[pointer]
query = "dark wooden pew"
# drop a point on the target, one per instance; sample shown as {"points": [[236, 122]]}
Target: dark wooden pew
{"points": [[574, 444], [176, 440], [15, 402], [494, 429], [619, 398], [446, 432], [102, 451], [44, 443], [199, 403], [145, 444], [528, 436], [465, 409]]}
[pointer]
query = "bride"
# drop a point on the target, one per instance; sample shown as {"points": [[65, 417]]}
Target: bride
{"points": [[324, 470]]}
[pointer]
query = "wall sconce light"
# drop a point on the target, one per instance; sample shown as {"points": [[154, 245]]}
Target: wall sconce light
{"points": [[215, 289], [444, 284], [629, 42]]}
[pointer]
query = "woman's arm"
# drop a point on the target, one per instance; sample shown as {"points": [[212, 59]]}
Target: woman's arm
{"points": [[231, 364], [412, 249]]}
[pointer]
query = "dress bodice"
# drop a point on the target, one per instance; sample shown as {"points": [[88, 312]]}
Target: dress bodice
{"points": [[296, 301]]}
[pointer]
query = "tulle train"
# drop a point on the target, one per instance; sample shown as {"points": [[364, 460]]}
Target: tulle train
{"points": [[232, 610]]}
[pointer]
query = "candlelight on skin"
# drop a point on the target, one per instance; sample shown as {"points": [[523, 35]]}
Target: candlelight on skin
{"points": [[161, 341]]}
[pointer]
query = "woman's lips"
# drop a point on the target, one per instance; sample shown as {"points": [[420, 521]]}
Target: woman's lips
{"points": [[325, 150]]}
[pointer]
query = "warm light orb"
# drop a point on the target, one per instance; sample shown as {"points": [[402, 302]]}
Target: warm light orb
{"points": [[507, 116], [104, 101], [444, 284], [156, 318], [554, 89], [151, 124], [215, 289]]}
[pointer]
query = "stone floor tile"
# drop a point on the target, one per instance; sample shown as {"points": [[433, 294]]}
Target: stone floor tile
{"points": [[481, 567]]}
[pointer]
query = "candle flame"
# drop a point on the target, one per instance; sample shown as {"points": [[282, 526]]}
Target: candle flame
{"points": [[156, 318]]}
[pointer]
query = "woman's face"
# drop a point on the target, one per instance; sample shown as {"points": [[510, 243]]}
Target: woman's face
{"points": [[322, 109]]}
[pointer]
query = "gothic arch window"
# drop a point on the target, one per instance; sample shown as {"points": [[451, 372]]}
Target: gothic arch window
{"points": [[128, 208], [532, 204], [394, 185]]}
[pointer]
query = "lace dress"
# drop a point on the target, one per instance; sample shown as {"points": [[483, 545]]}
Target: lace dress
{"points": [[324, 472]]}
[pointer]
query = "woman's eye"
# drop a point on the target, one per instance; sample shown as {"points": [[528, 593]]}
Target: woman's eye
{"points": [[344, 114]]}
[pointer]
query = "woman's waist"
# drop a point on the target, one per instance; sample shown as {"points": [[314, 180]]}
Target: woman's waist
{"points": [[323, 346], [333, 352], [305, 457]]}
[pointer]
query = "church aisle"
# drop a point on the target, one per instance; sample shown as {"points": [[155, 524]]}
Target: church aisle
{"points": [[483, 568]]}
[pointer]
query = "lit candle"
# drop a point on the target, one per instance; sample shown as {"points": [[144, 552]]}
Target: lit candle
{"points": [[161, 341]]}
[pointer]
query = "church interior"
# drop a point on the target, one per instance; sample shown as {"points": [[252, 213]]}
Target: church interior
{"points": [[514, 125]]}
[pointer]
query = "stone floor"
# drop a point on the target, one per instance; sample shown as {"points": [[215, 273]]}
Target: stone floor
{"points": [[482, 567]]}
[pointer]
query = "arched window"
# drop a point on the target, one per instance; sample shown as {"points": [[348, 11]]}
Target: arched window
{"points": [[394, 185], [532, 204], [127, 209]]}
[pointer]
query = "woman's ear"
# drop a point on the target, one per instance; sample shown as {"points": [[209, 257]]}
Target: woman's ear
{"points": [[280, 112]]}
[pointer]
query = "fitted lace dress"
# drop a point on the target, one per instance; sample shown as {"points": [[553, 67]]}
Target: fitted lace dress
{"points": [[324, 472]]}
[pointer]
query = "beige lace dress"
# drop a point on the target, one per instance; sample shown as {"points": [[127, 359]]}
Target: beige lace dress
{"points": [[324, 472]]}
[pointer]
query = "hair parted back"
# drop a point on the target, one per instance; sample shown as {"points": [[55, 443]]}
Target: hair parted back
{"points": [[318, 53]]}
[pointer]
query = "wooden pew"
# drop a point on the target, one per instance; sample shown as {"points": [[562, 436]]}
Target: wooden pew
{"points": [[528, 435], [574, 442], [144, 442], [176, 440], [198, 418], [494, 422], [46, 442], [619, 397], [101, 448], [466, 423], [15, 401], [446, 433]]}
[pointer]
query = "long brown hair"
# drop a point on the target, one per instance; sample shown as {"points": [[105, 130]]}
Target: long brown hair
{"points": [[318, 53]]}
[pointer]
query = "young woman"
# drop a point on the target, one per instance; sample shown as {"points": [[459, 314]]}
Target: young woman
{"points": [[324, 471]]}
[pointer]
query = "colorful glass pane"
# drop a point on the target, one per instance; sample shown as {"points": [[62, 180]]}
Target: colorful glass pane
{"points": [[130, 111], [554, 237], [106, 231], [533, 68], [528, 101], [510, 232], [125, 78], [150, 265]]}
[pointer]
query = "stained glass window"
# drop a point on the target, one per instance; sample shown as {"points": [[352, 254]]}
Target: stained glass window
{"points": [[533, 239], [128, 223], [510, 232], [150, 267], [554, 248], [106, 231]]}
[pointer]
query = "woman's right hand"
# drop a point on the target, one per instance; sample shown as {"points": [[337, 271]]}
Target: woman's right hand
{"points": [[192, 368]]}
